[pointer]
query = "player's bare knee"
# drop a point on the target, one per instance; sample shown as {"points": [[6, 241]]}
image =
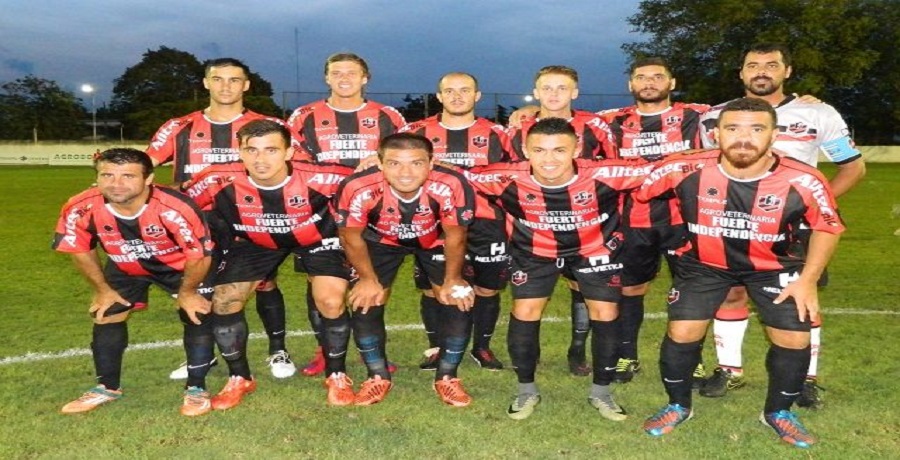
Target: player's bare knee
{"points": [[687, 331], [795, 340], [330, 306]]}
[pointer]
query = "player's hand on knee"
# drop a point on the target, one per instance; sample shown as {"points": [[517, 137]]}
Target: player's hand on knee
{"points": [[805, 295], [103, 300], [457, 293], [366, 294], [194, 305]]}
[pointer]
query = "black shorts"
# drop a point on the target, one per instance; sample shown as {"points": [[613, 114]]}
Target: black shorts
{"points": [[245, 261], [598, 278], [641, 251], [326, 259], [135, 289], [387, 259], [487, 260], [698, 290]]}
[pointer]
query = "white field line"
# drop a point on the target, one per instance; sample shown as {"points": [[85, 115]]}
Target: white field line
{"points": [[32, 357]]}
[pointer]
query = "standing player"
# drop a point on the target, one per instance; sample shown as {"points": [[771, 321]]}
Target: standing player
{"points": [[555, 87], [272, 207], [199, 139], [744, 207], [152, 235], [652, 129], [344, 128], [565, 220], [407, 206], [804, 130], [461, 138]]}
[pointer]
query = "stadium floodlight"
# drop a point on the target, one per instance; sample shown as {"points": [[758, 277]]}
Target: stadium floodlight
{"points": [[528, 98], [89, 89]]}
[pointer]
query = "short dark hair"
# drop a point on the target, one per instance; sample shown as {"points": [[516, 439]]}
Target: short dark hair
{"points": [[122, 155], [460, 74], [262, 127], [407, 141], [225, 62], [551, 126], [761, 48], [648, 61], [557, 70], [749, 104], [340, 57]]}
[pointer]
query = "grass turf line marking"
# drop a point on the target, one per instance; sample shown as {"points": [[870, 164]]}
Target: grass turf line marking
{"points": [[32, 357]]}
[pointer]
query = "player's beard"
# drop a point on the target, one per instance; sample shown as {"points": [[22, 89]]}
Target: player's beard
{"points": [[661, 95], [750, 155], [762, 86]]}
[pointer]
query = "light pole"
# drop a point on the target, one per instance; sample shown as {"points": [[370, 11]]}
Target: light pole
{"points": [[87, 88]]}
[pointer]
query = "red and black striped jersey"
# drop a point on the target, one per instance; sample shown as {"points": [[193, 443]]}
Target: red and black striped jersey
{"points": [[653, 136], [295, 213], [168, 230], [745, 225], [579, 218], [193, 142], [323, 134], [595, 139], [367, 201], [483, 142]]}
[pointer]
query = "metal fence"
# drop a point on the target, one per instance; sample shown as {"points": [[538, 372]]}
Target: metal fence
{"points": [[495, 106]]}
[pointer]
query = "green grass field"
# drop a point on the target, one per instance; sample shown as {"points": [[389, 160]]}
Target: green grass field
{"points": [[44, 304]]}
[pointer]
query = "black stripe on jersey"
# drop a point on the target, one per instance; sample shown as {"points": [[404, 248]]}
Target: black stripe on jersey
{"points": [[511, 202], [222, 135], [687, 192], [561, 200], [457, 140], [740, 198], [225, 212], [347, 122], [790, 225], [385, 125], [308, 133], [130, 230], [273, 203], [608, 202], [182, 152], [589, 143]]}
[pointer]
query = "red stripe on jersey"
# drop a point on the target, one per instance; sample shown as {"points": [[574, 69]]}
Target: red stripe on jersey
{"points": [[595, 139], [712, 192]]}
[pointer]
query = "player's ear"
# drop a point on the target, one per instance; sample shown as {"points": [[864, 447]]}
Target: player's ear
{"points": [[787, 72], [149, 179], [205, 83], [477, 96], [575, 94], [672, 85], [289, 152]]}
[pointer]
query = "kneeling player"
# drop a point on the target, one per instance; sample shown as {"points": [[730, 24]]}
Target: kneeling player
{"points": [[152, 235], [384, 214]]}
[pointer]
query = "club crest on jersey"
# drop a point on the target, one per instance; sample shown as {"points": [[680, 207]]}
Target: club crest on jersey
{"points": [[480, 141], [797, 128], [530, 198], [673, 296], [248, 199], [615, 281], [519, 278], [769, 203], [583, 198], [712, 191], [423, 210], [673, 120], [614, 240], [369, 122], [153, 231], [297, 201], [390, 210]]}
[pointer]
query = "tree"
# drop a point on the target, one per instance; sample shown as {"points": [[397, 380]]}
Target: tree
{"points": [[168, 83], [417, 108], [32, 106], [837, 45]]}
